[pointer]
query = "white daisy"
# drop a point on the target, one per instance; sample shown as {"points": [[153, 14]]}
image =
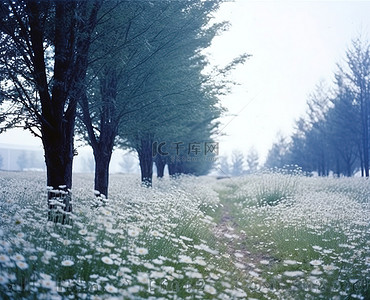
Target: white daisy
{"points": [[3, 279], [111, 289], [67, 263], [134, 289], [141, 251], [133, 231], [293, 273], [107, 260], [316, 262], [143, 278], [192, 274], [82, 231], [210, 289], [4, 258], [48, 284], [18, 257], [185, 259], [22, 265], [290, 262], [91, 238]]}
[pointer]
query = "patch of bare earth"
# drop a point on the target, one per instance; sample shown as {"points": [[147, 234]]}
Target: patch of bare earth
{"points": [[229, 233]]}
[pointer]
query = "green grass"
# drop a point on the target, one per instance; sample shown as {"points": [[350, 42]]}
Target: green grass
{"points": [[263, 236], [143, 243], [321, 232]]}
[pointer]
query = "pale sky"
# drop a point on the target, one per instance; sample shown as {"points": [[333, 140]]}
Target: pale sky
{"points": [[294, 45]]}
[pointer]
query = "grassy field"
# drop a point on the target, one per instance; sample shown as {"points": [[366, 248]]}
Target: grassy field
{"points": [[263, 236]]}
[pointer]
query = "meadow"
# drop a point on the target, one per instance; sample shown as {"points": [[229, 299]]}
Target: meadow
{"points": [[271, 235]]}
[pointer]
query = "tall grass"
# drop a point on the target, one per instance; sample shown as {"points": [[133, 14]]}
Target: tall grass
{"points": [[143, 243], [263, 236], [314, 246]]}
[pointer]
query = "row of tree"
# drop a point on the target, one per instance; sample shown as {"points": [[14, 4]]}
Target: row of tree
{"points": [[334, 134], [116, 74], [238, 164]]}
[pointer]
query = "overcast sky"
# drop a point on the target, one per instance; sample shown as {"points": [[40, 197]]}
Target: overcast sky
{"points": [[294, 45]]}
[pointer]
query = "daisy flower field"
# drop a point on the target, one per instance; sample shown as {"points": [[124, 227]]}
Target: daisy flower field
{"points": [[263, 236]]}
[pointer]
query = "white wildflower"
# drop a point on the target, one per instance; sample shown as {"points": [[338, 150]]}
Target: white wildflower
{"points": [[133, 231], [82, 231], [111, 289], [107, 260], [185, 259], [4, 258], [210, 289], [22, 265], [192, 274], [18, 257], [293, 273], [67, 263], [143, 278], [290, 262], [141, 251], [316, 262]]}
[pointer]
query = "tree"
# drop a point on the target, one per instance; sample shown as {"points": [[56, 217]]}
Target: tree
{"points": [[344, 130], [224, 166], [44, 60], [334, 134], [186, 102], [276, 156], [237, 163], [148, 64], [356, 75], [252, 160]]}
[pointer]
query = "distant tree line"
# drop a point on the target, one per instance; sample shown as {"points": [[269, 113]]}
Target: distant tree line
{"points": [[115, 74], [333, 136], [238, 164]]}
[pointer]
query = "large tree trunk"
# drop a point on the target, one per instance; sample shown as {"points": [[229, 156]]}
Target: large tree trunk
{"points": [[146, 162], [59, 152], [59, 97]]}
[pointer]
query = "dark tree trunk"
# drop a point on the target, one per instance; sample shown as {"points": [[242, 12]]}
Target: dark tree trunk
{"points": [[172, 168], [364, 101], [108, 126], [160, 163], [58, 148], [146, 162], [59, 98], [175, 168], [102, 161]]}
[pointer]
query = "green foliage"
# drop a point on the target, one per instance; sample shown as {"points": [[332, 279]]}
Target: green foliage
{"points": [[276, 186], [312, 246], [142, 243]]}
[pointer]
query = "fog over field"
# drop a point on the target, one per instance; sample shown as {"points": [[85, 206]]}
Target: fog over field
{"points": [[184, 149]]}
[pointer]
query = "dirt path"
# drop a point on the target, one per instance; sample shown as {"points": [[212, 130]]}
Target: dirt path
{"points": [[229, 233]]}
